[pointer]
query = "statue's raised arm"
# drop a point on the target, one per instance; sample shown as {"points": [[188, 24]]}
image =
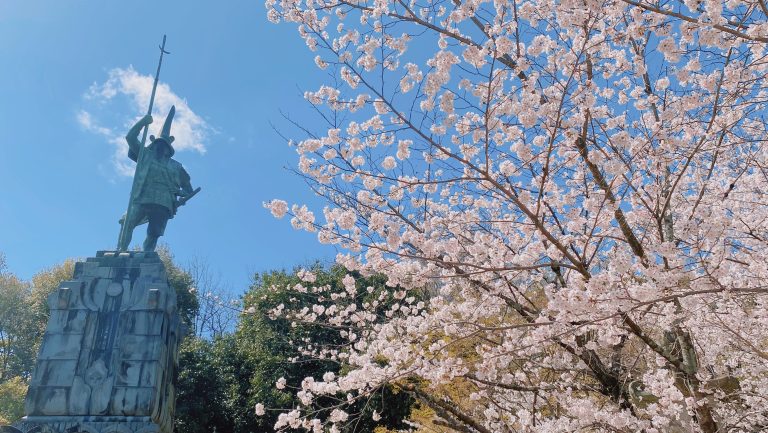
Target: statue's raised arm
{"points": [[132, 137]]}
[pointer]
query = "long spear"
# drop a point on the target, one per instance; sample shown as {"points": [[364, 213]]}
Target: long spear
{"points": [[141, 148]]}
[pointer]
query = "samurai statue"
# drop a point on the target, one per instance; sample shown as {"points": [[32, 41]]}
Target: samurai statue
{"points": [[160, 184]]}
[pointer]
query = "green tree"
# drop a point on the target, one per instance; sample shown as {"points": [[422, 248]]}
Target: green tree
{"points": [[182, 283], [222, 380], [12, 392], [20, 333], [214, 387], [274, 346], [202, 388], [48, 280], [17, 328], [23, 315], [44, 283]]}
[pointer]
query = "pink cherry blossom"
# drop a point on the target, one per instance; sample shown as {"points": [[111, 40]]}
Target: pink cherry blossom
{"points": [[577, 191]]}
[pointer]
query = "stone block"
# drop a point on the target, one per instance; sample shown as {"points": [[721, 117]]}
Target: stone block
{"points": [[103, 272], [78, 270], [62, 301], [131, 401], [145, 401], [61, 346], [75, 322], [67, 322], [75, 287], [57, 320], [152, 270], [151, 372], [64, 297], [140, 347], [55, 372], [89, 268], [79, 397], [49, 400], [143, 323], [129, 373], [153, 298]]}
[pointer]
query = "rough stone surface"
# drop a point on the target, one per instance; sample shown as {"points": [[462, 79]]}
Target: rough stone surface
{"points": [[108, 359]]}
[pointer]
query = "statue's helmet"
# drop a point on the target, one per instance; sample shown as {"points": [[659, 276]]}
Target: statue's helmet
{"points": [[165, 135]]}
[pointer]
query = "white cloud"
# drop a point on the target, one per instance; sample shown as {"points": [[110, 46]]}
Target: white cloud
{"points": [[190, 130], [86, 121]]}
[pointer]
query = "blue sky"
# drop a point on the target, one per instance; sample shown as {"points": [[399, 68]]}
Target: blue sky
{"points": [[61, 117]]}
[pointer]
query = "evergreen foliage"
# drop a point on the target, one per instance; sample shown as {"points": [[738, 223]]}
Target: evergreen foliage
{"points": [[240, 370]]}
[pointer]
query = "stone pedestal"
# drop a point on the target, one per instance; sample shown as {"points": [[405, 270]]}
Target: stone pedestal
{"points": [[108, 359]]}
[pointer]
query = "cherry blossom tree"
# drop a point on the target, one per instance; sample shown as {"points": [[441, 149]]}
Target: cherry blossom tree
{"points": [[582, 183]]}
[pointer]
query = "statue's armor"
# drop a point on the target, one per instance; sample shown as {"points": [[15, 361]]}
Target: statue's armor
{"points": [[159, 181]]}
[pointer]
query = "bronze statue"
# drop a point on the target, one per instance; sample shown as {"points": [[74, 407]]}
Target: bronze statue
{"points": [[109, 356], [160, 186]]}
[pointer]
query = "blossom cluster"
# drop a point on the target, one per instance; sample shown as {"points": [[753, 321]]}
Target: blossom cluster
{"points": [[580, 186]]}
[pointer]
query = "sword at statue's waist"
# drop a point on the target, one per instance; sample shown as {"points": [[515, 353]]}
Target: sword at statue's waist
{"points": [[185, 199]]}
